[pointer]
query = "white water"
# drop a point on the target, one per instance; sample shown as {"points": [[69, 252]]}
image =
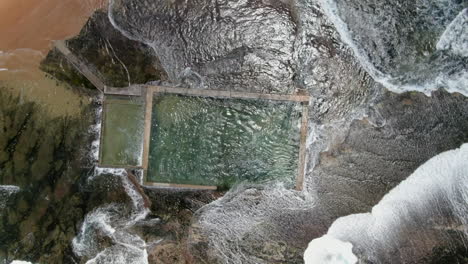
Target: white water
{"points": [[96, 129], [436, 189], [244, 215], [111, 223], [5, 192], [453, 39], [329, 250]]}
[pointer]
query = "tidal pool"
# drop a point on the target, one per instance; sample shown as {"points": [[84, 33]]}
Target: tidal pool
{"points": [[220, 142], [122, 132]]}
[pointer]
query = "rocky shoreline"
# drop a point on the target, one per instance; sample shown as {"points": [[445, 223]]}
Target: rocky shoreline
{"points": [[365, 139]]}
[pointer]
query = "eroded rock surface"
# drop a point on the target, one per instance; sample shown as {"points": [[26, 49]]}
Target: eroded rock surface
{"points": [[353, 175], [246, 45]]}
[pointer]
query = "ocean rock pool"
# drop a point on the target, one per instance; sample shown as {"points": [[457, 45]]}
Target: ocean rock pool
{"points": [[220, 142]]}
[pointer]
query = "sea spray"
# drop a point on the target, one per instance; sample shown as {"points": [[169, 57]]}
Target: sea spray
{"points": [[431, 203]]}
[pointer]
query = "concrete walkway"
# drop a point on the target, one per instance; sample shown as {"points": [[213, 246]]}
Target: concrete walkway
{"points": [[79, 66], [228, 94]]}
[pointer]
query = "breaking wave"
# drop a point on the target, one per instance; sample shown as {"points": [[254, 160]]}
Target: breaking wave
{"points": [[407, 46], [420, 212], [104, 236]]}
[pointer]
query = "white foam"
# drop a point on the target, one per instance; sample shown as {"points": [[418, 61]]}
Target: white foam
{"points": [[96, 129], [227, 221], [455, 36], [111, 221], [20, 262], [5, 192], [9, 188], [329, 250], [3, 69], [438, 186]]}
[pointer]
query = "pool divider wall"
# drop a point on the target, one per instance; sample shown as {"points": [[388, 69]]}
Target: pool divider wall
{"points": [[101, 135], [302, 148], [147, 132]]}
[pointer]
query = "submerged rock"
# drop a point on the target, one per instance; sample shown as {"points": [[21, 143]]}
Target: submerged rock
{"points": [[40, 155]]}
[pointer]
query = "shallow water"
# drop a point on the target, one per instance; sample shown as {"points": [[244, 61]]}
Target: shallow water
{"points": [[122, 139], [27, 29]]}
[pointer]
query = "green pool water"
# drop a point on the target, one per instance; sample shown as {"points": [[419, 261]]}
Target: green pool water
{"points": [[220, 142], [123, 126]]}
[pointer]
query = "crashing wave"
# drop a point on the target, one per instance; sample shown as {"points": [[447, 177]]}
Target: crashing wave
{"points": [[399, 46], [455, 37], [104, 236], [329, 250], [420, 212]]}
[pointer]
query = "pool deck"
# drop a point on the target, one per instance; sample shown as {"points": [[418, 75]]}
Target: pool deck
{"points": [[149, 91]]}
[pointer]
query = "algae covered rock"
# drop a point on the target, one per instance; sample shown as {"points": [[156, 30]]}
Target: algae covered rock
{"points": [[41, 156]]}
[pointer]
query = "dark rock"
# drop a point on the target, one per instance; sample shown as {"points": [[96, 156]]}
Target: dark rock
{"points": [[175, 209], [117, 60]]}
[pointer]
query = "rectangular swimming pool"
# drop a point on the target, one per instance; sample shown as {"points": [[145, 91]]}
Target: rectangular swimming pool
{"points": [[220, 142]]}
